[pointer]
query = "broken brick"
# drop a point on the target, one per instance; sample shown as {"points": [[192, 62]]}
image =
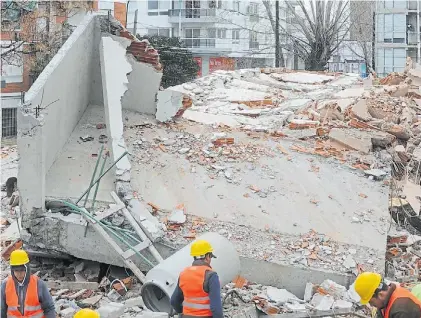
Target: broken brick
{"points": [[223, 141], [5, 254], [239, 281]]}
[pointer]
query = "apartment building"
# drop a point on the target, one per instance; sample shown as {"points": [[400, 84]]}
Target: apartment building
{"points": [[220, 34], [397, 34]]}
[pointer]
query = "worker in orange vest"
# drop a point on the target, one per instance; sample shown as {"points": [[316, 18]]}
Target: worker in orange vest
{"points": [[198, 292], [392, 301], [23, 294]]}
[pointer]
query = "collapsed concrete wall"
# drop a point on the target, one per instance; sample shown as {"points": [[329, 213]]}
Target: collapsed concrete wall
{"points": [[53, 107]]}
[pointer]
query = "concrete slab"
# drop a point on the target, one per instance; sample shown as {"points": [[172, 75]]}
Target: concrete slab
{"points": [[71, 173], [288, 209], [303, 78], [114, 70]]}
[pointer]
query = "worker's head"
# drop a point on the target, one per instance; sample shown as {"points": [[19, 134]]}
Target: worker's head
{"points": [[372, 289], [18, 264], [86, 313], [203, 250]]}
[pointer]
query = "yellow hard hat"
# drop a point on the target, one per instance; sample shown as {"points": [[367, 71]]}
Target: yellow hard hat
{"points": [[366, 284], [19, 257], [86, 313], [201, 248]]}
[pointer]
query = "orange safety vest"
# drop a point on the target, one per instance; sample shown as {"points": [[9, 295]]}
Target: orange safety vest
{"points": [[196, 300], [399, 292], [32, 305]]}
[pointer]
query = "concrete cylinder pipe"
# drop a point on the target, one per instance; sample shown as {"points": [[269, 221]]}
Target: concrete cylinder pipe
{"points": [[162, 279]]}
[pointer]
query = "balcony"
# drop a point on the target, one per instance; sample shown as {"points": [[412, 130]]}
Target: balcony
{"points": [[413, 38], [198, 43], [192, 15], [206, 45]]}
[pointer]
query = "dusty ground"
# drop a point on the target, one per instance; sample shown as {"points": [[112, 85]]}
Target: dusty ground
{"points": [[261, 197]]}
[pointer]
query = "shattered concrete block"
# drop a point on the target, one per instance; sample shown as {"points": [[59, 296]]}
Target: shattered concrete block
{"points": [[169, 102], [360, 110], [342, 304], [147, 220], [322, 302], [356, 140], [280, 296], [111, 310], [67, 312]]}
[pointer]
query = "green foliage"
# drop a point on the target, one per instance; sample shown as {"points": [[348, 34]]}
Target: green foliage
{"points": [[179, 65]]}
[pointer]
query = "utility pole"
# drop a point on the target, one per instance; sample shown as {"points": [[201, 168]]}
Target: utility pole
{"points": [[277, 47], [180, 2], [135, 23]]}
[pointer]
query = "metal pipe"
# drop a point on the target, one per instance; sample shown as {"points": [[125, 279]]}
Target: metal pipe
{"points": [[97, 185], [101, 176], [93, 174], [162, 279]]}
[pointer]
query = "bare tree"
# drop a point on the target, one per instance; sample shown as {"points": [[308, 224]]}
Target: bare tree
{"points": [[317, 30], [362, 30], [33, 34]]}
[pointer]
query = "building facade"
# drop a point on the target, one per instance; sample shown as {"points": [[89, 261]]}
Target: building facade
{"points": [[25, 27], [220, 34], [397, 35]]}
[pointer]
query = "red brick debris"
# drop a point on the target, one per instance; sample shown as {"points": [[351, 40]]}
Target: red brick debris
{"points": [[142, 50]]}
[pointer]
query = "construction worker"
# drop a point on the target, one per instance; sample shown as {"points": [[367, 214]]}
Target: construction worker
{"points": [[86, 313], [392, 301], [23, 294], [198, 291]]}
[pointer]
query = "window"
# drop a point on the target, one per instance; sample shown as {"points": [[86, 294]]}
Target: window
{"points": [[153, 5], [391, 28], [152, 32], [236, 6], [394, 4], [253, 8], [160, 32], [222, 33], [253, 44], [156, 7], [390, 60], [235, 36], [192, 38]]}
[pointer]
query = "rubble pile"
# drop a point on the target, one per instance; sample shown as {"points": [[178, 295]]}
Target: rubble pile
{"points": [[311, 250], [403, 258], [270, 300]]}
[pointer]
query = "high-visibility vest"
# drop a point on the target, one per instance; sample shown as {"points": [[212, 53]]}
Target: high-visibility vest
{"points": [[399, 292], [32, 305], [196, 301]]}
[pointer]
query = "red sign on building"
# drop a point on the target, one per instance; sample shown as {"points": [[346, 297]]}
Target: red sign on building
{"points": [[199, 62], [221, 63]]}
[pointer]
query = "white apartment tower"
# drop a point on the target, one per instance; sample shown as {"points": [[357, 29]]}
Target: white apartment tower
{"points": [[397, 34]]}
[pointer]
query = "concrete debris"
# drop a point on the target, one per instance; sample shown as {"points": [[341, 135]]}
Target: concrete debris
{"points": [[270, 300]]}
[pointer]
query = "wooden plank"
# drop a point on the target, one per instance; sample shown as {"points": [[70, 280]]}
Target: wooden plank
{"points": [[109, 212], [141, 246], [117, 248], [72, 285], [138, 229]]}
